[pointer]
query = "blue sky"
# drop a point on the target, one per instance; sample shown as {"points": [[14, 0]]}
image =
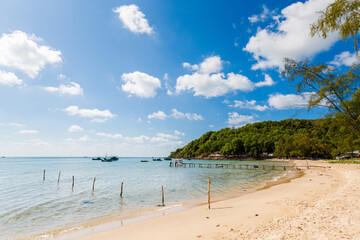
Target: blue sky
{"points": [[142, 78]]}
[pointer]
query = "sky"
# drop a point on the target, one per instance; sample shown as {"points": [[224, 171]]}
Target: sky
{"points": [[143, 78]]}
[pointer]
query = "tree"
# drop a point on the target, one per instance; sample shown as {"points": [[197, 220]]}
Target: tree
{"points": [[326, 87], [342, 16]]}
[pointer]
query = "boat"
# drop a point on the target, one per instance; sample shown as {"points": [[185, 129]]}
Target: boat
{"points": [[105, 159], [114, 158], [96, 158], [157, 159], [179, 162], [167, 159], [2, 156], [144, 160], [189, 158]]}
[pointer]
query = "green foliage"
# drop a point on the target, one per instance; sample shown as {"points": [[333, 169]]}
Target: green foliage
{"points": [[342, 16], [321, 138], [326, 87]]}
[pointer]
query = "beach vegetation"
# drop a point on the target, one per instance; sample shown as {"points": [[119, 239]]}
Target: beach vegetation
{"points": [[323, 138]]}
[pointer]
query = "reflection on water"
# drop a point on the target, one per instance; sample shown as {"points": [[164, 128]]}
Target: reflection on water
{"points": [[31, 206]]}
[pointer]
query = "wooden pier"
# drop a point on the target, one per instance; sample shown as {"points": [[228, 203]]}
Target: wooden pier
{"points": [[240, 166]]}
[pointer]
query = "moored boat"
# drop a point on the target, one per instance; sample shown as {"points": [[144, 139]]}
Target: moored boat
{"points": [[105, 159], [144, 160], [157, 159], [96, 158], [167, 159]]}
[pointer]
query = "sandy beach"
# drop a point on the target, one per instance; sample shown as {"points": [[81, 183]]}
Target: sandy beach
{"points": [[324, 203]]}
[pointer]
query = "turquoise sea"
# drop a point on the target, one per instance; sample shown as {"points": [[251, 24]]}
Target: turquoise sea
{"points": [[32, 207]]}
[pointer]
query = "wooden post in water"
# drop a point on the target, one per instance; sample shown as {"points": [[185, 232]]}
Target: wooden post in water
{"points": [[73, 182], [121, 191], [162, 198], [209, 181], [59, 177], [44, 175], [94, 185]]}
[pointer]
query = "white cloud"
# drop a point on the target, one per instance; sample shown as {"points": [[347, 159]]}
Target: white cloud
{"points": [[75, 128], [71, 89], [99, 120], [167, 136], [22, 52], [157, 115], [133, 19], [267, 82], [209, 82], [280, 101], [161, 138], [84, 138], [39, 142], [27, 131], [237, 119], [210, 65], [175, 114], [96, 114], [140, 84], [345, 58], [194, 67], [249, 105], [139, 139], [261, 17], [178, 133], [9, 78], [61, 76], [291, 37], [12, 124], [190, 116], [169, 90], [108, 135]]}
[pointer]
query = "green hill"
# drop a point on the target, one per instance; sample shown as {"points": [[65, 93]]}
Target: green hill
{"points": [[320, 138]]}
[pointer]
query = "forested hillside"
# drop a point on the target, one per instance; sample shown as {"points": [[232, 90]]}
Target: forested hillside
{"points": [[321, 138]]}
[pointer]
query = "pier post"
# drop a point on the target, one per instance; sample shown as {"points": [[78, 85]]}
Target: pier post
{"points": [[209, 182], [44, 175], [162, 196], [121, 191], [73, 183], [93, 188], [59, 177]]}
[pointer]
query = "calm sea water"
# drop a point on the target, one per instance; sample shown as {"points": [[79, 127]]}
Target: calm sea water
{"points": [[30, 206]]}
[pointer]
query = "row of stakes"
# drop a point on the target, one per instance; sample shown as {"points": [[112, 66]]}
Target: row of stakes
{"points": [[122, 187]]}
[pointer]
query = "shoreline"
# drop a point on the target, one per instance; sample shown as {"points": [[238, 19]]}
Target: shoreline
{"points": [[110, 223], [322, 204]]}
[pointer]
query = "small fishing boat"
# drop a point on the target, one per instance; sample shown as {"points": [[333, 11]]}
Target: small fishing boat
{"points": [[178, 162], [167, 159], [2, 156], [114, 158], [157, 159], [105, 159], [144, 160], [96, 158]]}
